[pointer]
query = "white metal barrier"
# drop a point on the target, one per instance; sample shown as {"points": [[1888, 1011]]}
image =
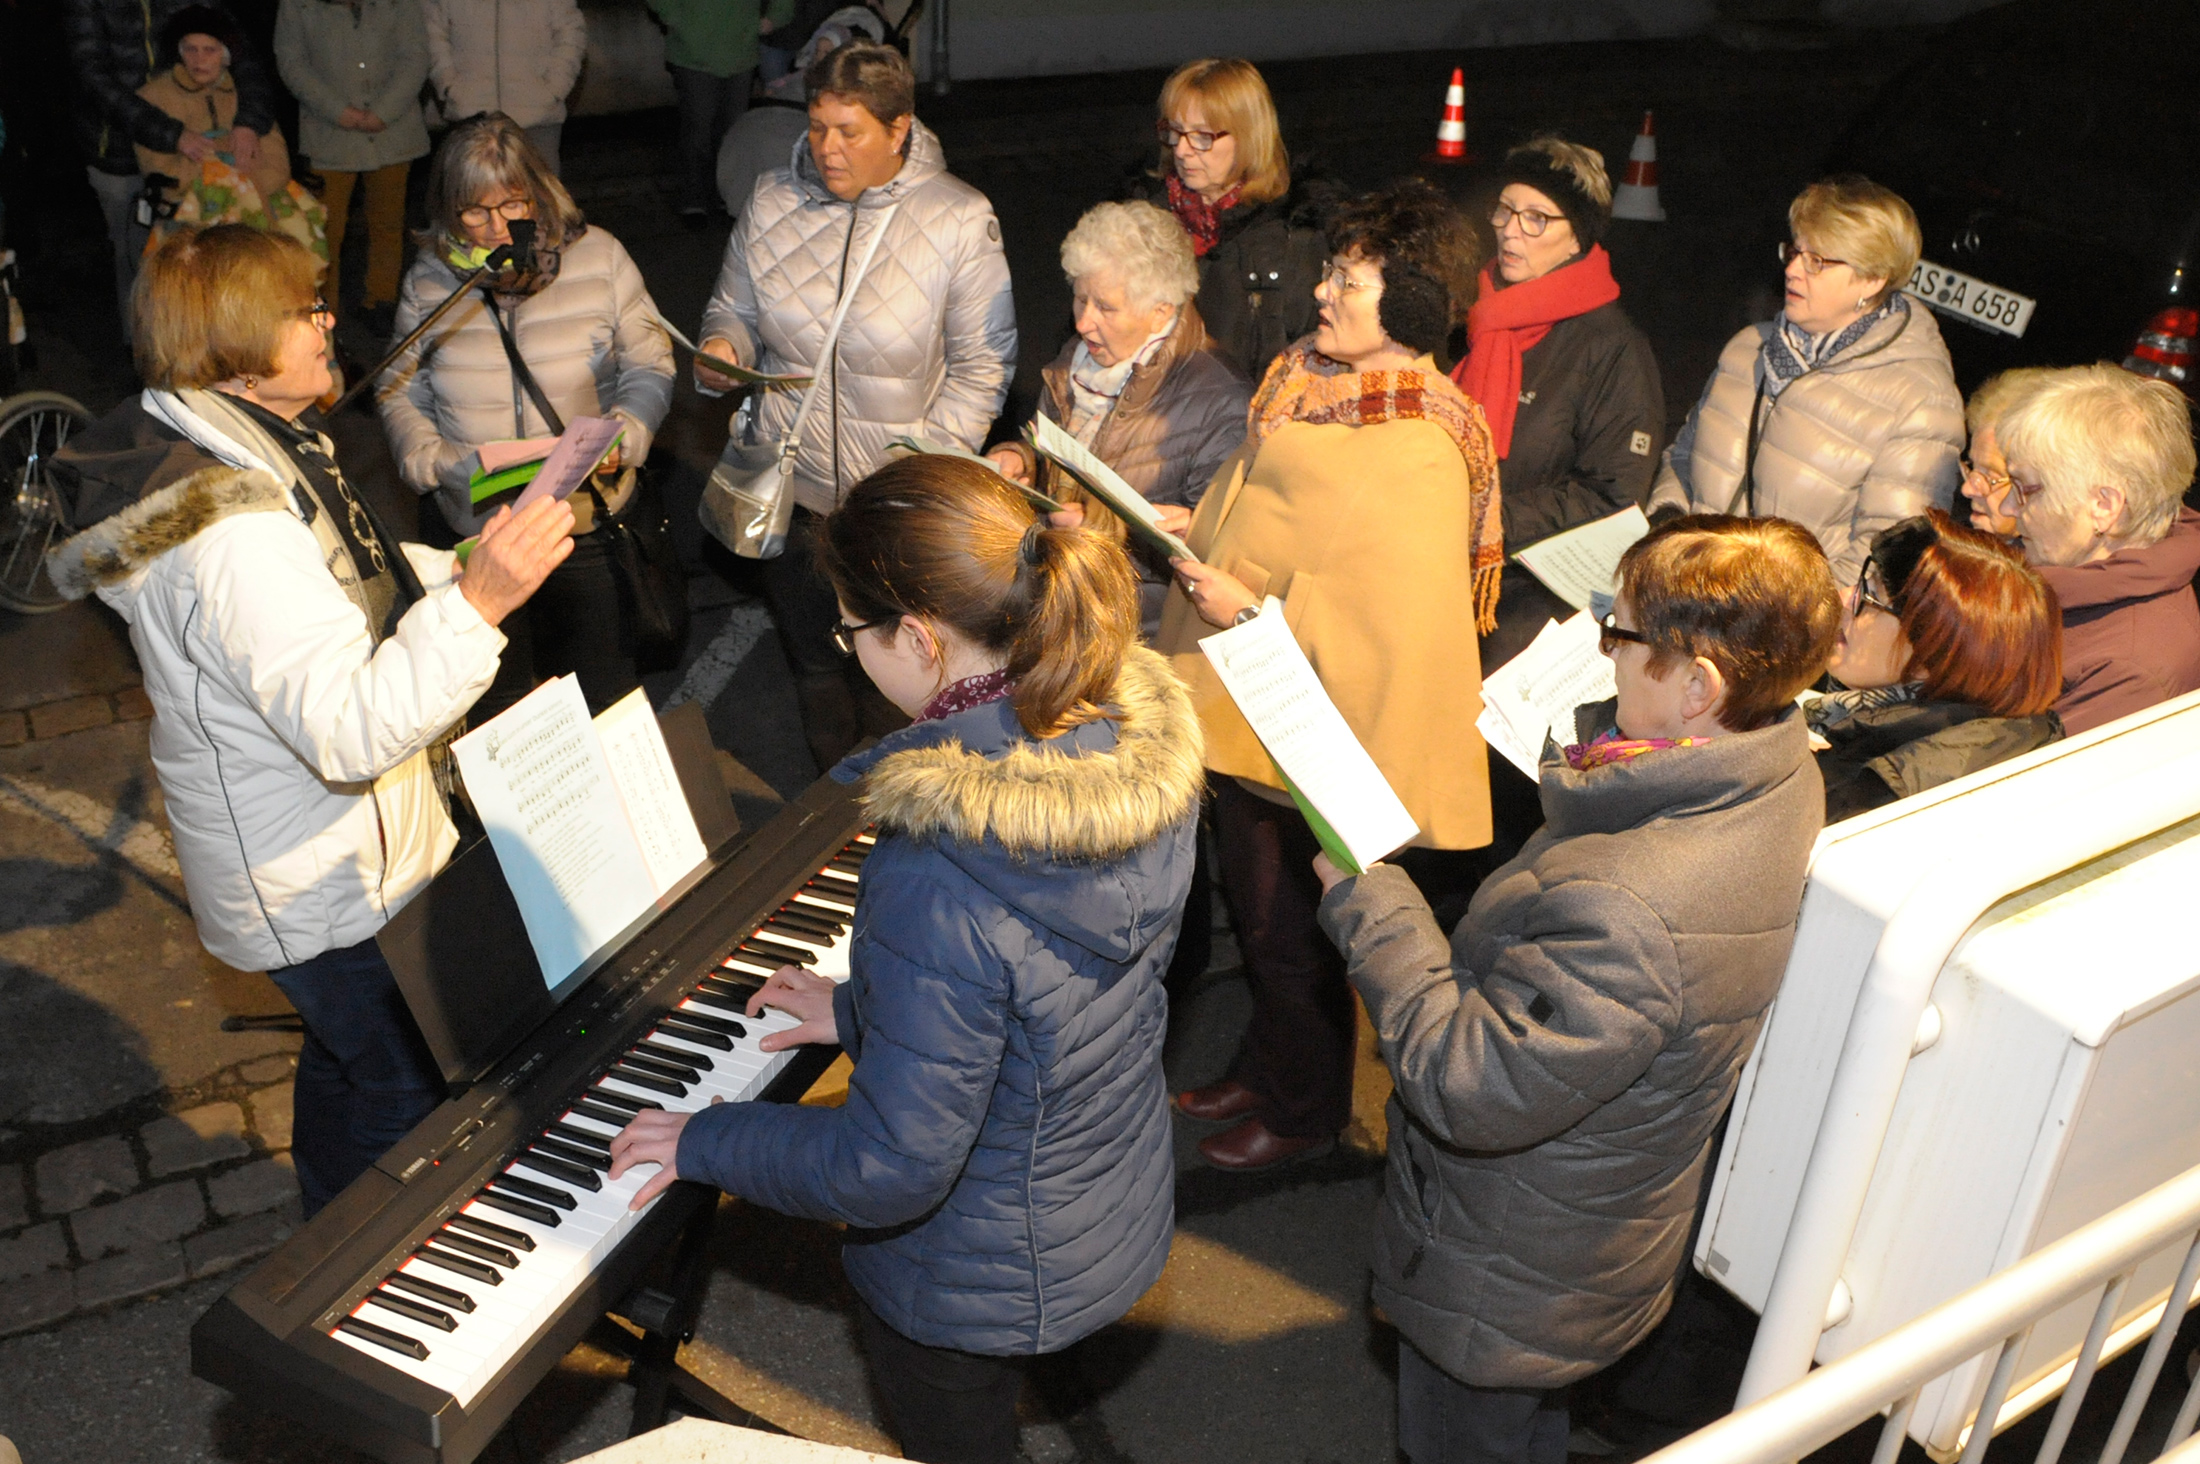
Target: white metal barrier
{"points": [[1996, 1316]]}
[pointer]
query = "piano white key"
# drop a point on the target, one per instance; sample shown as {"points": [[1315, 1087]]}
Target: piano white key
{"points": [[431, 1372]]}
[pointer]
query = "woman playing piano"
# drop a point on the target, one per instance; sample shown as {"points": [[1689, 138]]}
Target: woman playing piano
{"points": [[1003, 1161]]}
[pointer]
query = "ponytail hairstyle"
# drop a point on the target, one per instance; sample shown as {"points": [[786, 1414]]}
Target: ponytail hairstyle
{"points": [[947, 541]]}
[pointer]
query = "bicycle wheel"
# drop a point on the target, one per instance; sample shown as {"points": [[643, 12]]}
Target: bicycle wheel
{"points": [[33, 427]]}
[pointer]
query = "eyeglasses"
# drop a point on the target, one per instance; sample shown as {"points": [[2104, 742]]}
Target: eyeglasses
{"points": [[1340, 281], [1813, 262], [511, 208], [1171, 134], [1533, 221], [844, 634], [321, 313], [2021, 494], [1610, 634], [1880, 598], [1996, 483]]}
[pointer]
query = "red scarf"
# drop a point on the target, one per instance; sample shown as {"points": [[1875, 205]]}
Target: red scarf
{"points": [[971, 691], [1201, 219], [1506, 324]]}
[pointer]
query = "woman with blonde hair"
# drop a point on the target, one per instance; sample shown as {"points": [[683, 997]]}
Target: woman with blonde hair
{"points": [[1256, 231], [575, 332], [1003, 1162], [1841, 412], [1985, 466]]}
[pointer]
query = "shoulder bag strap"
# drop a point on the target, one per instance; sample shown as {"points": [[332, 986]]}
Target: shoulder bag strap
{"points": [[818, 373], [525, 377], [1745, 498]]}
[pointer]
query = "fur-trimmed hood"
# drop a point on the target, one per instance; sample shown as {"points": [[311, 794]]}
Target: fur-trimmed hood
{"points": [[1014, 813], [126, 542]]}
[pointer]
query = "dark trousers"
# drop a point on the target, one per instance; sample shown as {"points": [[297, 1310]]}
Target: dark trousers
{"points": [[1297, 1052], [709, 106], [943, 1406], [839, 705], [578, 622], [1444, 1421], [365, 1077]]}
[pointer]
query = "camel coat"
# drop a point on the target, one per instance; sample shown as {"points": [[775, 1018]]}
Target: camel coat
{"points": [[210, 108], [1364, 534]]}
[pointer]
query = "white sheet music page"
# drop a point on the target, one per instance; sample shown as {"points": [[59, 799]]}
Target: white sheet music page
{"points": [[1274, 685], [1127, 502], [539, 778], [1583, 563], [649, 786], [1533, 696]]}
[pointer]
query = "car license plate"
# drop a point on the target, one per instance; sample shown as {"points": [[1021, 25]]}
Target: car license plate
{"points": [[1953, 292]]}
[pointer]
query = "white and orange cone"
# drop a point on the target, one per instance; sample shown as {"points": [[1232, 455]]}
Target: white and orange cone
{"points": [[1451, 128], [1637, 197]]}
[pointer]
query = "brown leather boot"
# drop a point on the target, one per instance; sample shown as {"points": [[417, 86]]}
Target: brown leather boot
{"points": [[1251, 1145], [1218, 1101]]}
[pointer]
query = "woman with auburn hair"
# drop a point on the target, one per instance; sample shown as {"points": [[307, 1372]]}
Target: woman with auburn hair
{"points": [[1841, 412], [1563, 1060], [582, 322], [1257, 234], [1950, 656], [302, 664], [1003, 1160]]}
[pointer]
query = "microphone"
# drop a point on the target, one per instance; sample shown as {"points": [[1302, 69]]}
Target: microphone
{"points": [[517, 256]]}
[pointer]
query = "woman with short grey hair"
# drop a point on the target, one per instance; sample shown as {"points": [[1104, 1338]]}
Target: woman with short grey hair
{"points": [[2099, 460], [1141, 384]]}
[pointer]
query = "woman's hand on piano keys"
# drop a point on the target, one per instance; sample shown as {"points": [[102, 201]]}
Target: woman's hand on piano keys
{"points": [[806, 998], [652, 1138]]}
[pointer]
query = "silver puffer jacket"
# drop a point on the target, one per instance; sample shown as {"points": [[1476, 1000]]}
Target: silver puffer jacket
{"points": [[1846, 449], [929, 343]]}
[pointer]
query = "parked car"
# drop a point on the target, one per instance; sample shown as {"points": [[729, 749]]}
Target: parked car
{"points": [[2054, 164]]}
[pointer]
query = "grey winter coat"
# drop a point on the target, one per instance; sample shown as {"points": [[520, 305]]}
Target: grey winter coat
{"points": [[930, 342], [591, 338], [1003, 1161], [518, 57], [374, 55], [1846, 449], [1562, 1064]]}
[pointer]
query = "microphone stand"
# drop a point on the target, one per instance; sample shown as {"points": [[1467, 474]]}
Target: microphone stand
{"points": [[517, 254]]}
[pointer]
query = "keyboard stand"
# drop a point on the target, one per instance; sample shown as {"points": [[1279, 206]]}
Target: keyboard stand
{"points": [[667, 1315]]}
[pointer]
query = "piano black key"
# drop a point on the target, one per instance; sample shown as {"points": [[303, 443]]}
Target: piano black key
{"points": [[786, 955], [527, 1189], [684, 1027], [671, 1072], [503, 1235], [693, 1061], [798, 925], [610, 1099], [708, 1023], [574, 1134], [839, 884], [572, 1153], [617, 1117], [634, 1077], [580, 1176], [466, 1245], [840, 892], [419, 1311], [850, 863], [460, 1264], [717, 999], [412, 1347], [737, 959], [448, 1296]]}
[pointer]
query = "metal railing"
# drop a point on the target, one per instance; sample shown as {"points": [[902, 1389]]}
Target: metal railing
{"points": [[1996, 1316]]}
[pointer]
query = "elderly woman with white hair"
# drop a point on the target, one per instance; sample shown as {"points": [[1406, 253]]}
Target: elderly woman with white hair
{"points": [[1840, 412], [2099, 460], [1141, 384]]}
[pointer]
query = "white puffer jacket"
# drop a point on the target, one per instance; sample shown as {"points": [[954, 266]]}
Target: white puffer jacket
{"points": [[518, 57], [930, 340], [291, 750], [1846, 449]]}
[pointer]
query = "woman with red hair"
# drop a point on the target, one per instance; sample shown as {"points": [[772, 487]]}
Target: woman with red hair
{"points": [[1951, 658]]}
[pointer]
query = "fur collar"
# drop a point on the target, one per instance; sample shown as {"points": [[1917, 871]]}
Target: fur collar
{"points": [[1036, 799], [119, 546]]}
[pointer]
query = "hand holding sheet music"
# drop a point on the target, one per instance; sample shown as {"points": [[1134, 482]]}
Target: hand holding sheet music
{"points": [[1105, 484]]}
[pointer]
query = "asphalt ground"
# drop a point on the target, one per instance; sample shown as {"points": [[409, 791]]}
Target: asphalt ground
{"points": [[142, 1149]]}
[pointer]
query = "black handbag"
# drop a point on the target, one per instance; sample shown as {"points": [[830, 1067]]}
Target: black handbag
{"points": [[643, 557]]}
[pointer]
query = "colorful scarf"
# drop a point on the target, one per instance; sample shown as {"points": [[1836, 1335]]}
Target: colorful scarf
{"points": [[1789, 350], [971, 691], [1613, 748], [219, 193], [1507, 323], [1305, 386], [1201, 219]]}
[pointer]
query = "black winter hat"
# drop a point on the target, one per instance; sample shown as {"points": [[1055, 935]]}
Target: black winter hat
{"points": [[198, 20], [1414, 309], [1537, 170]]}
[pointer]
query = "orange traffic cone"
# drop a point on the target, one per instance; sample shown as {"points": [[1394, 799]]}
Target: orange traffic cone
{"points": [[1451, 128], [1638, 192]]}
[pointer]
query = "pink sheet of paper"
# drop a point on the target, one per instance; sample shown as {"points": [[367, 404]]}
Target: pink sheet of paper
{"points": [[585, 442], [497, 456]]}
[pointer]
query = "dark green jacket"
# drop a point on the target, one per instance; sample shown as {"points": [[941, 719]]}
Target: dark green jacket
{"points": [[717, 36]]}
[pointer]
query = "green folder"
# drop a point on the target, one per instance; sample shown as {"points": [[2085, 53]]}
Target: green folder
{"points": [[1324, 835]]}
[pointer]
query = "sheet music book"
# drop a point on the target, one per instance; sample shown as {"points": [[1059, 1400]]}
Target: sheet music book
{"points": [[1582, 565], [1105, 484], [586, 817], [1533, 696], [1352, 808], [913, 443]]}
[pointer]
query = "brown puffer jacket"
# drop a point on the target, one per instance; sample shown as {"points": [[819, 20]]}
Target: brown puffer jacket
{"points": [[1562, 1065]]}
